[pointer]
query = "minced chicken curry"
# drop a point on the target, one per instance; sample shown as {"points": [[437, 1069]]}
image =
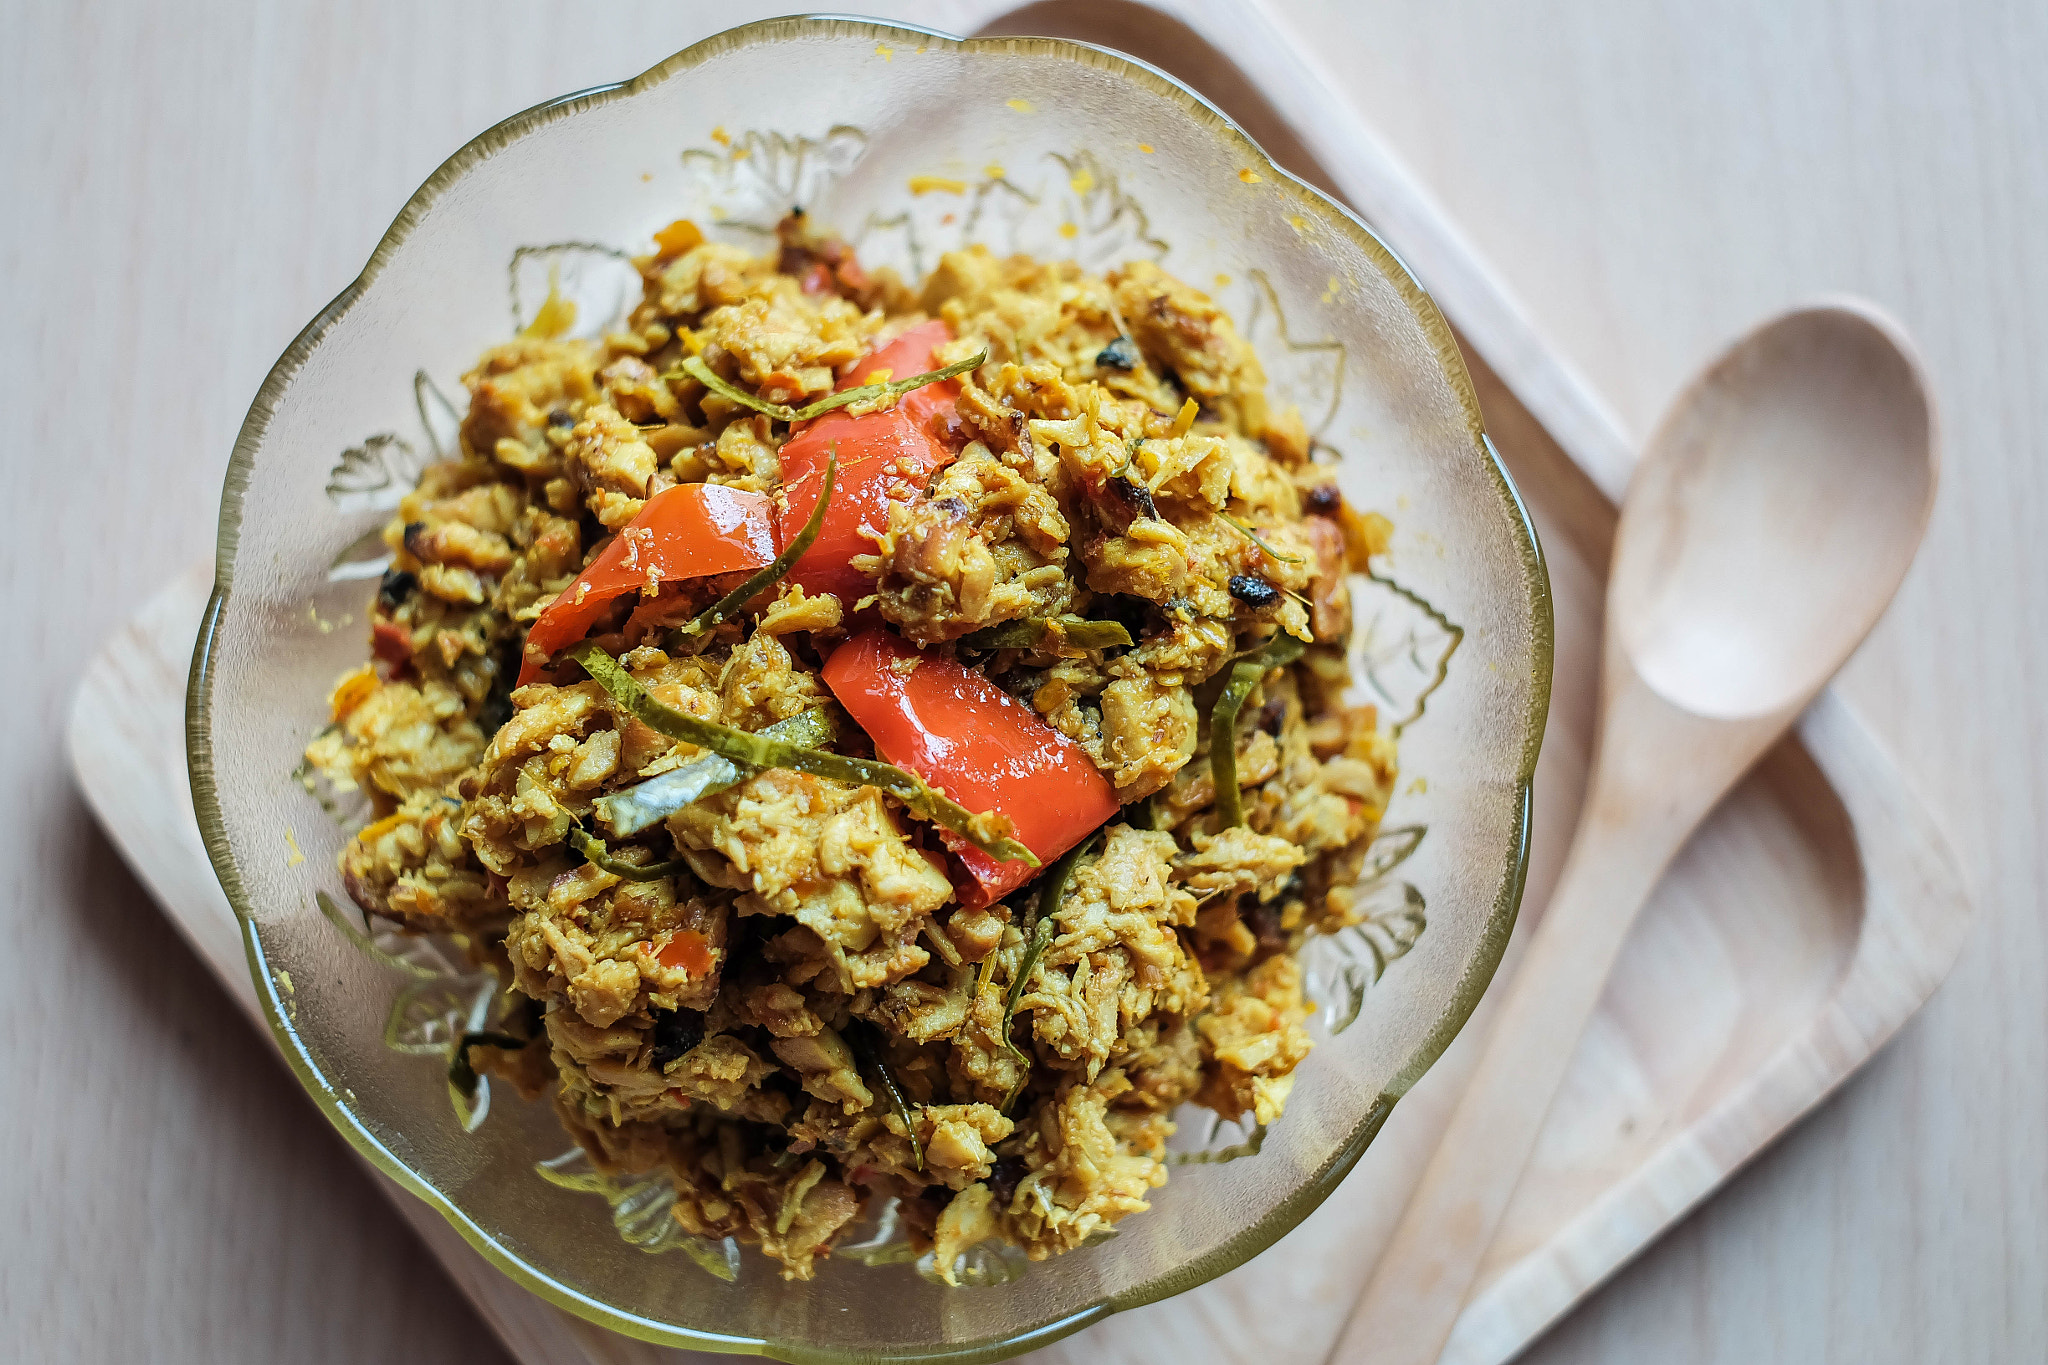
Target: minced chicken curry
{"points": [[891, 739]]}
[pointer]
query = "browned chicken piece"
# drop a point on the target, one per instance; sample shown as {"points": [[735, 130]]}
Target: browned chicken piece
{"points": [[1188, 334], [983, 546]]}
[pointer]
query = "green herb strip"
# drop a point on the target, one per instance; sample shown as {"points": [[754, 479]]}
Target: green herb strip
{"points": [[728, 606], [1255, 538], [1056, 881], [1041, 933], [1053, 632], [1041, 939], [632, 809], [1278, 652], [988, 831], [695, 368], [896, 1099], [592, 847], [462, 1076]]}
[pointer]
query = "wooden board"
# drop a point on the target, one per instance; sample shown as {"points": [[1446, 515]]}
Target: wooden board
{"points": [[1817, 910]]}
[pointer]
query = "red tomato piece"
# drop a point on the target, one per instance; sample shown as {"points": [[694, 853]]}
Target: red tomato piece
{"points": [[883, 456], [981, 746], [689, 531]]}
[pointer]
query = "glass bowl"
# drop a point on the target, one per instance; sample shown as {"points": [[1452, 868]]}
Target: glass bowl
{"points": [[907, 142]]}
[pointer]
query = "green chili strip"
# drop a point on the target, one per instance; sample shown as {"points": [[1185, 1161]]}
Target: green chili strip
{"points": [[728, 606], [1055, 632], [1041, 939], [1255, 538], [592, 848], [1056, 880], [1281, 650], [632, 809], [896, 1100], [988, 831], [695, 368], [461, 1075], [1041, 933]]}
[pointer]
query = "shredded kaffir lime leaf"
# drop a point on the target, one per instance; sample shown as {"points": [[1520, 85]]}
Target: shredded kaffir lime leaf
{"points": [[1034, 949], [1278, 652], [1039, 937], [1255, 538], [728, 606], [1051, 633], [895, 1093], [695, 368], [592, 848], [632, 809], [1055, 886], [988, 831]]}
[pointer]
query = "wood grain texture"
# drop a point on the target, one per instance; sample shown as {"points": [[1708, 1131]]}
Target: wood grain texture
{"points": [[188, 184], [1651, 178]]}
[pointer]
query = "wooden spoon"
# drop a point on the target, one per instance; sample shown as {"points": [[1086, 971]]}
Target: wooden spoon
{"points": [[1766, 527]]}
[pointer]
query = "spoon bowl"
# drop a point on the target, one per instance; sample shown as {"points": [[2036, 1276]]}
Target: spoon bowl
{"points": [[1774, 513]]}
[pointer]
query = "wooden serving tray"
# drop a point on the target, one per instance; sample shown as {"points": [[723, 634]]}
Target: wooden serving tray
{"points": [[1815, 911]]}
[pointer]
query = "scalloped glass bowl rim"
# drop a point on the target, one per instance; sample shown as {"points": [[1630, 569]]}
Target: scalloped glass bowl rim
{"points": [[1250, 1240]]}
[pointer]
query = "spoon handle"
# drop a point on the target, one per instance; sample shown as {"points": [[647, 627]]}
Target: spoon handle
{"points": [[1427, 1269]]}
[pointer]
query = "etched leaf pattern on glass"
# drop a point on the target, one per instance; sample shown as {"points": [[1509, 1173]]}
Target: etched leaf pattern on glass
{"points": [[642, 1211], [600, 282], [1401, 648], [374, 477], [748, 182], [1389, 916]]}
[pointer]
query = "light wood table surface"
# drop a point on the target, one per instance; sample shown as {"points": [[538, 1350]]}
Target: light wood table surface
{"points": [[185, 184]]}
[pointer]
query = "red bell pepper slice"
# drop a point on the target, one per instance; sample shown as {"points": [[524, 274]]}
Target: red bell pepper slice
{"points": [[960, 732], [689, 531], [892, 452]]}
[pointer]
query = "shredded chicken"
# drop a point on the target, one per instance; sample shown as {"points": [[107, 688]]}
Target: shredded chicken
{"points": [[775, 993]]}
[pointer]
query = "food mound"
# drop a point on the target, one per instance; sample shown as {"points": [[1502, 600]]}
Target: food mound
{"points": [[890, 740]]}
